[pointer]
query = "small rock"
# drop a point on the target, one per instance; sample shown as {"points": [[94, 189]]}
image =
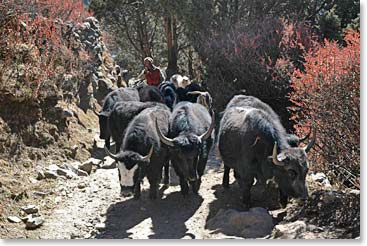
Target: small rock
{"points": [[82, 185], [290, 230], [14, 219], [108, 163], [50, 175], [82, 173], [40, 175], [87, 166], [74, 235], [34, 223], [355, 192], [66, 173], [58, 199], [100, 226], [321, 178], [329, 197], [40, 193], [33, 181], [30, 209], [53, 167]]}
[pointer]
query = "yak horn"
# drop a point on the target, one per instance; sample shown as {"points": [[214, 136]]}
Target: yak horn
{"points": [[95, 112], [195, 93], [163, 138], [115, 157], [275, 154], [305, 137], [311, 143], [208, 133], [147, 157]]}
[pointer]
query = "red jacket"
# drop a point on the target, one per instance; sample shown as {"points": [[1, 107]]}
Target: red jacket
{"points": [[153, 77]]}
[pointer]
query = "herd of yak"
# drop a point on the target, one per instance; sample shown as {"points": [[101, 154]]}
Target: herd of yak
{"points": [[153, 129]]}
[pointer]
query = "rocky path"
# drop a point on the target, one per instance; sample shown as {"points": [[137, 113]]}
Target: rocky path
{"points": [[92, 207]]}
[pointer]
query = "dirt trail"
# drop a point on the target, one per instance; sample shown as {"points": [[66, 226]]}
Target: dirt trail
{"points": [[92, 207], [92, 200]]}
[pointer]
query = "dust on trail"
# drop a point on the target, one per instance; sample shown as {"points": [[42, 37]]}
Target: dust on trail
{"points": [[93, 208]]}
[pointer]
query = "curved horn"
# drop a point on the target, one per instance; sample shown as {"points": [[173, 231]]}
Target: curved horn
{"points": [[305, 137], [163, 138], [115, 157], [311, 143], [147, 157], [195, 92], [95, 112], [208, 133], [275, 154]]}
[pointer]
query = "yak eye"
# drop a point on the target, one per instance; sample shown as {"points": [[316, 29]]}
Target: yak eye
{"points": [[292, 174]]}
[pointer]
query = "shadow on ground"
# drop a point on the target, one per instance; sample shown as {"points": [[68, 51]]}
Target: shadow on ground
{"points": [[167, 215], [231, 198]]}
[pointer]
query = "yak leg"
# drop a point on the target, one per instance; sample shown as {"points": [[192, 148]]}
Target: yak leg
{"points": [[225, 182], [283, 199], [107, 142], [138, 177], [184, 186], [154, 183], [246, 191], [166, 173], [117, 146]]}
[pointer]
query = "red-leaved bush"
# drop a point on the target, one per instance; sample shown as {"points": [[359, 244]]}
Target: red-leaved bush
{"points": [[33, 52], [327, 98]]}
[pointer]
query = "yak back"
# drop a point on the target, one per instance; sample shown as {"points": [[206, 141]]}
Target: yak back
{"points": [[120, 94], [150, 94], [253, 102], [248, 124], [141, 133], [189, 117], [122, 114]]}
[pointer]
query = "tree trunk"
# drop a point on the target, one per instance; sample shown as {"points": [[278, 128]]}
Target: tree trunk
{"points": [[172, 49]]}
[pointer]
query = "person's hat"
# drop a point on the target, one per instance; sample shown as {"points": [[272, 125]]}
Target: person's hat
{"points": [[148, 59]]}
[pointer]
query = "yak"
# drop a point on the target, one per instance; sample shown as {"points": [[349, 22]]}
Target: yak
{"points": [[141, 153], [256, 146], [190, 139], [253, 102], [121, 94]]}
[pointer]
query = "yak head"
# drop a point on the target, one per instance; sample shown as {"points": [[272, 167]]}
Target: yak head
{"points": [[185, 150], [292, 167], [103, 124], [128, 163]]}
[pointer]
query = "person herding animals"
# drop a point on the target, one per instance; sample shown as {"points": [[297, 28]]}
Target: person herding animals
{"points": [[151, 73]]}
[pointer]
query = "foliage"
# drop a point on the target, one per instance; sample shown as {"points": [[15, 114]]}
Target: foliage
{"points": [[327, 98], [256, 58], [33, 51]]}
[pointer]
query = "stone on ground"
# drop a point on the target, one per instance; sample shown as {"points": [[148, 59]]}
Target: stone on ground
{"points": [[249, 224]]}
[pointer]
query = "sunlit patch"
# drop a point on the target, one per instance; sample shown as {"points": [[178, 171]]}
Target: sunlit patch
{"points": [[127, 176]]}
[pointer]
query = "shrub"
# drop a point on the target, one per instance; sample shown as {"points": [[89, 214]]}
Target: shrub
{"points": [[33, 52], [327, 98], [257, 58]]}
